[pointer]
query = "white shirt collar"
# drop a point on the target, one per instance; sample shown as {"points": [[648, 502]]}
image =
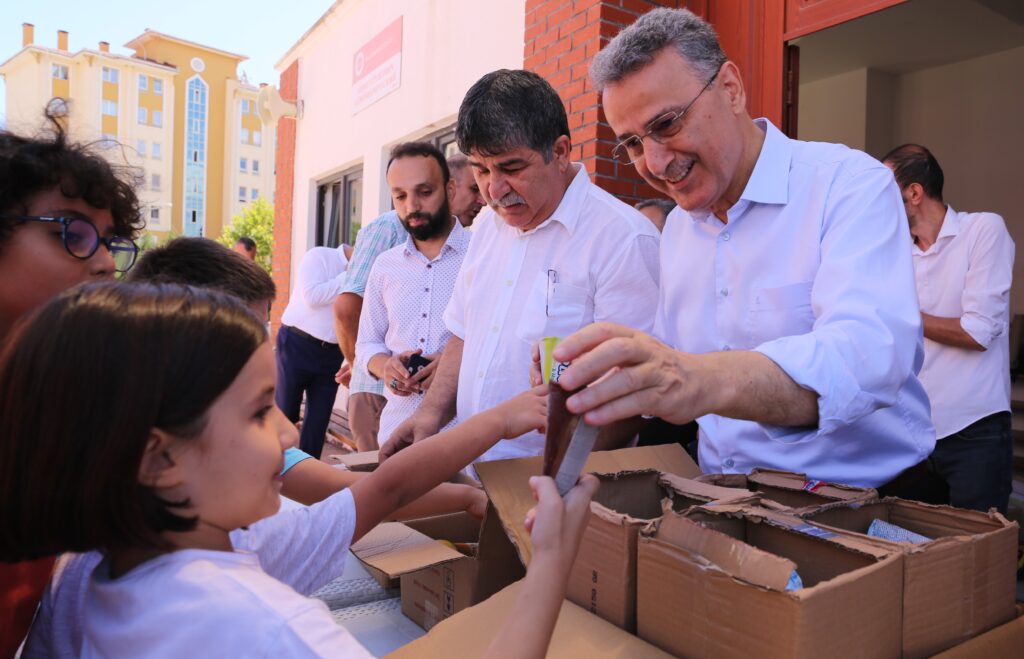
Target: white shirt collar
{"points": [[769, 181], [568, 211]]}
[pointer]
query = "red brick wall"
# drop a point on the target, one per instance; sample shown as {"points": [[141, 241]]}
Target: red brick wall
{"points": [[561, 38], [284, 186]]}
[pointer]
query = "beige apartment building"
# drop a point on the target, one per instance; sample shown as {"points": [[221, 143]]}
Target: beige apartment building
{"points": [[174, 110]]}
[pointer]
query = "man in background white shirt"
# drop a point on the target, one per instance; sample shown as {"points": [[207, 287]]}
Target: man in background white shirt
{"points": [[307, 356], [787, 297], [552, 254], [964, 267], [410, 285]]}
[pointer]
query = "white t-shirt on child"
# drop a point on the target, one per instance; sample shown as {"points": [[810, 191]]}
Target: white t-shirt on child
{"points": [[208, 603]]}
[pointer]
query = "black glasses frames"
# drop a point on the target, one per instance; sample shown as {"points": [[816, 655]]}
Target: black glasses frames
{"points": [[81, 239]]}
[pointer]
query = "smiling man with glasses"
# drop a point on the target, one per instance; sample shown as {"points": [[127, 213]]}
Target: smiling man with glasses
{"points": [[788, 310]]}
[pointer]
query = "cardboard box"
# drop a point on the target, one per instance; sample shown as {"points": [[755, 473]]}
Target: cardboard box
{"points": [[577, 634], [790, 489], [436, 580], [960, 584], [603, 578], [1003, 641], [364, 461], [703, 592], [507, 481]]}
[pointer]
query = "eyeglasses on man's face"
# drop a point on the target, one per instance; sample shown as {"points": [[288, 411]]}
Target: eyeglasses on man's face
{"points": [[81, 239], [662, 129]]}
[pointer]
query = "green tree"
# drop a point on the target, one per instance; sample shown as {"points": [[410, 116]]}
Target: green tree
{"points": [[257, 222]]}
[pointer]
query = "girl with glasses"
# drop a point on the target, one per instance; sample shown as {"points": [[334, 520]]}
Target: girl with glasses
{"points": [[166, 455], [66, 217]]}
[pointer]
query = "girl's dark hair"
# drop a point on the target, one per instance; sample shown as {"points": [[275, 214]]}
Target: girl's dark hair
{"points": [[83, 381], [32, 165]]}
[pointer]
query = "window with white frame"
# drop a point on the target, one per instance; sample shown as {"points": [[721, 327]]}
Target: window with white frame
{"points": [[158, 118], [255, 194], [156, 151], [154, 214], [143, 82], [158, 86], [143, 116], [196, 112], [109, 75], [110, 108], [255, 166], [245, 106], [140, 146], [154, 182], [257, 137], [241, 193], [245, 135], [59, 71], [243, 164]]}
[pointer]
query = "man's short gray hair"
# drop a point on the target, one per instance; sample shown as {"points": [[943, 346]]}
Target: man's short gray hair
{"points": [[636, 46], [457, 162]]}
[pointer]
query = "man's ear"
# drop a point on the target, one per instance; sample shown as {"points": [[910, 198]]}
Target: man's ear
{"points": [[562, 151], [160, 467], [732, 83], [915, 194], [450, 189]]}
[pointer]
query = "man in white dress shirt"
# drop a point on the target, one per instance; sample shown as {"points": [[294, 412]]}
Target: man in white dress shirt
{"points": [[551, 254], [964, 268], [410, 285], [307, 356], [787, 302]]}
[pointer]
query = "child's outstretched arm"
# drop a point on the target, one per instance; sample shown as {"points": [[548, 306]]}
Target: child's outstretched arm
{"points": [[412, 472], [311, 481], [556, 526]]}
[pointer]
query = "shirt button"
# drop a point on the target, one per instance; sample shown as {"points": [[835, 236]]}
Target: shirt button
{"points": [[724, 292], [725, 237], [729, 463], [422, 340], [424, 315], [494, 329], [726, 348], [429, 265], [508, 282], [480, 374], [426, 290]]}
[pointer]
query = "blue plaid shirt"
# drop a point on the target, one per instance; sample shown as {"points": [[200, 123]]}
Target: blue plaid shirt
{"points": [[373, 240]]}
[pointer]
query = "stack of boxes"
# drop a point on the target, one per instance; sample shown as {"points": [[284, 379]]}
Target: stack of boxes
{"points": [[768, 564]]}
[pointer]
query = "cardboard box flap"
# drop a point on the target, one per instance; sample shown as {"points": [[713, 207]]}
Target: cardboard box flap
{"points": [[362, 461], [732, 556], [795, 481], [578, 633], [395, 549], [791, 522], [507, 481], [698, 490]]}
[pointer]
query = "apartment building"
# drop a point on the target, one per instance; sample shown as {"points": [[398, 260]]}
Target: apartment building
{"points": [[173, 110]]}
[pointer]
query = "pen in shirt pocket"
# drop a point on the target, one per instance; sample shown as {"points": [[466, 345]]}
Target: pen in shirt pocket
{"points": [[552, 280]]}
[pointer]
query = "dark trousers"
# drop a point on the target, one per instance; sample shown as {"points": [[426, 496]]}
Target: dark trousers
{"points": [[977, 463], [306, 366], [660, 431]]}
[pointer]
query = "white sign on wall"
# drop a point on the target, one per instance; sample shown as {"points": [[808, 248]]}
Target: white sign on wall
{"points": [[377, 67]]}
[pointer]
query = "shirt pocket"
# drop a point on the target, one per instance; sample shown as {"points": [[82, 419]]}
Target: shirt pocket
{"points": [[552, 310], [779, 311]]}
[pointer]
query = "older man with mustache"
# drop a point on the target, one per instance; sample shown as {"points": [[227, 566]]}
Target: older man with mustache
{"points": [[552, 254]]}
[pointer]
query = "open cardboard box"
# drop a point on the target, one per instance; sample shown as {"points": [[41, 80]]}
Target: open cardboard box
{"points": [[603, 578], [960, 584], [713, 583], [577, 634], [438, 581], [790, 489]]}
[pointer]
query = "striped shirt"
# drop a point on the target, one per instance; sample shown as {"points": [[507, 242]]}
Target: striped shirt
{"points": [[373, 240]]}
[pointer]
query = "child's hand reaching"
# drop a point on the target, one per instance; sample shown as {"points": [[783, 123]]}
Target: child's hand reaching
{"points": [[556, 524], [523, 413]]}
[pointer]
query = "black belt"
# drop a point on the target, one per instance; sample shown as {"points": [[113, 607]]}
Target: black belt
{"points": [[309, 337]]}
